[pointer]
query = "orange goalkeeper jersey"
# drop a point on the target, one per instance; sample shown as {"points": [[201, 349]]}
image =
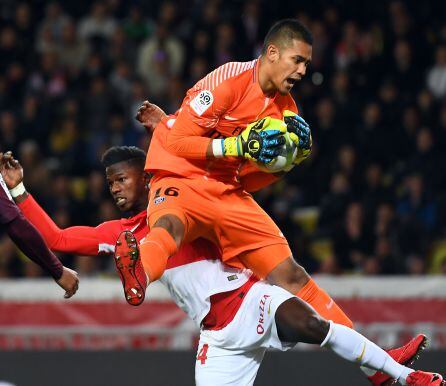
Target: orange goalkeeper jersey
{"points": [[220, 105]]}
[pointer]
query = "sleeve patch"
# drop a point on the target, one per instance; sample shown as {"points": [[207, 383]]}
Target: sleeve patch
{"points": [[202, 102]]}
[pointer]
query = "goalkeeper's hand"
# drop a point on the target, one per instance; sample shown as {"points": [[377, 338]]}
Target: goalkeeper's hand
{"points": [[260, 141], [300, 134]]}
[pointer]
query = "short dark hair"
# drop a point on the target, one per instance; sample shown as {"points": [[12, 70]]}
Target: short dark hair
{"points": [[131, 154], [286, 30]]}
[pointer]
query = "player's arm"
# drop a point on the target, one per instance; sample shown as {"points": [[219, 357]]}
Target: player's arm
{"points": [[83, 240], [31, 243], [27, 238], [197, 117], [188, 138]]}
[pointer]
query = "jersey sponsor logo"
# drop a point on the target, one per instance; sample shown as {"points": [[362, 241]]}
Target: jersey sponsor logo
{"points": [[159, 200], [260, 324], [202, 102]]}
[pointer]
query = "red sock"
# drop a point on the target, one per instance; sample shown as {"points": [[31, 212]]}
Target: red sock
{"points": [[323, 303], [156, 248]]}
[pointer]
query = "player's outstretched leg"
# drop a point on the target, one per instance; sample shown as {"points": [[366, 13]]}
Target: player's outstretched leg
{"points": [[298, 322], [293, 277], [130, 269]]}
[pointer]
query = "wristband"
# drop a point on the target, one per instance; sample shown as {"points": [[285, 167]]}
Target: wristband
{"points": [[218, 148], [18, 190]]}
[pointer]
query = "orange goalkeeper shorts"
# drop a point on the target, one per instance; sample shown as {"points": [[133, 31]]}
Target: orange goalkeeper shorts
{"points": [[224, 214]]}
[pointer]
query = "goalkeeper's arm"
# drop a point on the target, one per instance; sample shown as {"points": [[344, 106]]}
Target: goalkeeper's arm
{"points": [[259, 141], [188, 136]]}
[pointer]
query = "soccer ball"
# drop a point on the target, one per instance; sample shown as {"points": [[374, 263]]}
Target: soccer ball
{"points": [[284, 160]]}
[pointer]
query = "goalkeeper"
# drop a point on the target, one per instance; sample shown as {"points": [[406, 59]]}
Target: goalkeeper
{"points": [[233, 115], [197, 163]]}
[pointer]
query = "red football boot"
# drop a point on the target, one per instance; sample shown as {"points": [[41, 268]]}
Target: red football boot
{"points": [[405, 355], [420, 378], [130, 269]]}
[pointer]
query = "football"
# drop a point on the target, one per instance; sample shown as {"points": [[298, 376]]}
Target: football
{"points": [[284, 160]]}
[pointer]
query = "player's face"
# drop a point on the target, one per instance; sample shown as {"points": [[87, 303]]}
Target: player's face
{"points": [[290, 65], [128, 186]]}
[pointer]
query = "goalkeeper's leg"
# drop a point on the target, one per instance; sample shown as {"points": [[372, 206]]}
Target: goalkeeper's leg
{"points": [[176, 214]]}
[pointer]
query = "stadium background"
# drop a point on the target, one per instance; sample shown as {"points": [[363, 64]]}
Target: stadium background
{"points": [[369, 204]]}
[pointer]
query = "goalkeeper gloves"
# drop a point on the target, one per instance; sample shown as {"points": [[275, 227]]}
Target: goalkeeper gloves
{"points": [[260, 141], [300, 134]]}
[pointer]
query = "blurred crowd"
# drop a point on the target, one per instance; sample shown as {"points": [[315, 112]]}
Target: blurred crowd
{"points": [[372, 198]]}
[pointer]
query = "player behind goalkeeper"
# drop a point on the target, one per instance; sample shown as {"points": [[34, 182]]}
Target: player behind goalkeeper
{"points": [[124, 167]]}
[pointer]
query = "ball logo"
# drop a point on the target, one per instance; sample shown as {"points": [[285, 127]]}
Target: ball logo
{"points": [[253, 146]]}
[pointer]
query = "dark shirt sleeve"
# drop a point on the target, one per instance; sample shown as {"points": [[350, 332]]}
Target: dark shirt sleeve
{"points": [[8, 210], [31, 243], [26, 236]]}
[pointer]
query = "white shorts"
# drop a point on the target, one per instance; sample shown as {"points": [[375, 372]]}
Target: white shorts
{"points": [[232, 355]]}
